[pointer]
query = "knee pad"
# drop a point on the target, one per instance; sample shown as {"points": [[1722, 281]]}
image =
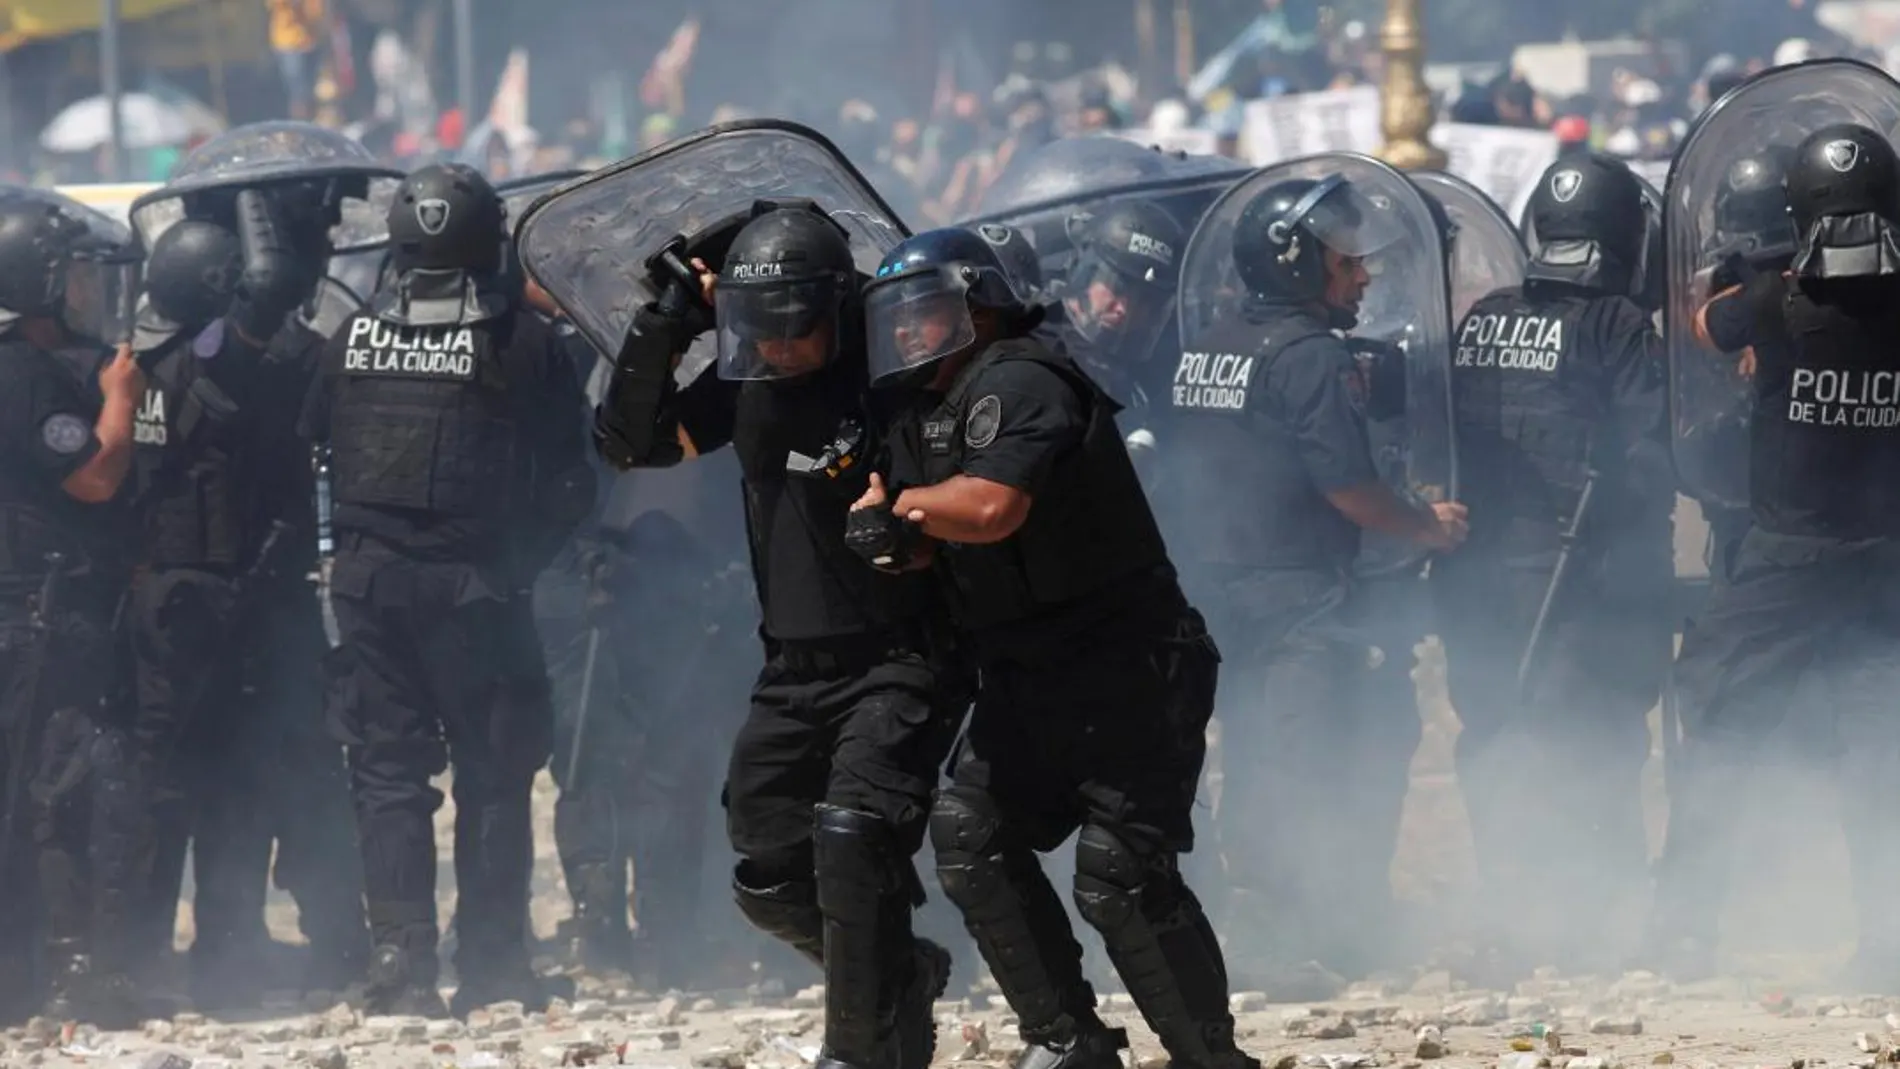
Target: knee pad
{"points": [[1110, 878], [968, 837], [785, 911]]}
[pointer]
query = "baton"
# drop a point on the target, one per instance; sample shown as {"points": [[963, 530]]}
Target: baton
{"points": [[580, 715], [1527, 665]]}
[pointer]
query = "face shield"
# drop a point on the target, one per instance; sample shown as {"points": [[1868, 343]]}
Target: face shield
{"points": [[778, 329], [1115, 310], [102, 288], [916, 319], [1345, 220]]}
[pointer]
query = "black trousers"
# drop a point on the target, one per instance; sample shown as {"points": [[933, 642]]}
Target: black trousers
{"points": [[861, 728], [1561, 763], [1793, 607], [439, 663]]}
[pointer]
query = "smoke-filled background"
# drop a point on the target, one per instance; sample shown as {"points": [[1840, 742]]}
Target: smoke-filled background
{"points": [[933, 98]]}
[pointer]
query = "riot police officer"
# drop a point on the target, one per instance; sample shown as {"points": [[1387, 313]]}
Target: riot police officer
{"points": [[1269, 411], [1559, 390], [222, 284], [1096, 676], [62, 570], [1812, 587], [828, 788], [1118, 296], [458, 472]]}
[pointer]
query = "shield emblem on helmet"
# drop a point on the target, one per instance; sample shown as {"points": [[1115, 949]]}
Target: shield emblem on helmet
{"points": [[432, 215], [1564, 185], [1407, 305], [1842, 155], [1768, 115], [589, 251]]}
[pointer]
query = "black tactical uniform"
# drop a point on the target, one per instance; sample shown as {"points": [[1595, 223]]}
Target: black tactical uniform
{"points": [[67, 784], [457, 474], [1270, 413], [1557, 385], [1097, 677], [828, 788], [220, 288], [1812, 588]]}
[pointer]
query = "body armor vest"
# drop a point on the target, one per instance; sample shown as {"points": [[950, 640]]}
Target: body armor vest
{"points": [[37, 517], [1088, 534], [804, 446], [1244, 495], [421, 419], [1525, 403], [190, 440], [1825, 442]]}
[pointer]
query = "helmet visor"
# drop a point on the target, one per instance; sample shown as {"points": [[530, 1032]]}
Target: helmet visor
{"points": [[1122, 315], [1353, 224], [102, 290], [917, 319], [776, 331]]}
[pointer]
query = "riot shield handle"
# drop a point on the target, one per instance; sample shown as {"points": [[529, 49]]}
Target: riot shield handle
{"points": [[669, 265]]}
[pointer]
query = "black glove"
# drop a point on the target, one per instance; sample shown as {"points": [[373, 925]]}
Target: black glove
{"points": [[680, 302], [885, 540]]}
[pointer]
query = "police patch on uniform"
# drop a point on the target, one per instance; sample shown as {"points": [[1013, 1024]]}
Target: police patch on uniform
{"points": [[986, 418], [65, 434], [432, 214]]}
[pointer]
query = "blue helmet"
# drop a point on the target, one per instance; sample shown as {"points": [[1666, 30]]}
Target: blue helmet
{"points": [[917, 309]]}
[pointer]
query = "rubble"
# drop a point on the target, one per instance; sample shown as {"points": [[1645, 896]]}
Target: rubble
{"points": [[1431, 1043], [1616, 1026]]}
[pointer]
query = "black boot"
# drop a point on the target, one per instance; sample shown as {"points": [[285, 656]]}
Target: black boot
{"points": [[68, 972], [1162, 945], [603, 943], [1097, 1048], [398, 983], [516, 984]]}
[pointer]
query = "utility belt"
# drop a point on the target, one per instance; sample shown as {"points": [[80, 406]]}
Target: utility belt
{"points": [[843, 655]]}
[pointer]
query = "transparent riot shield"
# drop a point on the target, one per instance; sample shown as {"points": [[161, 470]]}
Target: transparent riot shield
{"points": [[1710, 402], [1487, 254], [1407, 307], [588, 244], [348, 178]]}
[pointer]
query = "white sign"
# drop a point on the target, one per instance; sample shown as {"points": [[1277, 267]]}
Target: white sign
{"points": [[1305, 124], [1655, 172], [1502, 161], [1194, 142]]}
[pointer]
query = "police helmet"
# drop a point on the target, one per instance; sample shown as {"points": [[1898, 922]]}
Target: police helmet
{"points": [[1844, 194], [1281, 232], [447, 217], [191, 275], [1120, 289], [786, 276], [1751, 206], [917, 310], [1020, 260], [54, 266], [1590, 222]]}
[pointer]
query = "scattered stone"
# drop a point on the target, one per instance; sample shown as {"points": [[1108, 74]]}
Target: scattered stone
{"points": [[1367, 991], [506, 1008], [809, 998], [653, 1041], [1433, 984], [998, 1003], [1117, 1002], [1521, 1007], [1589, 1062], [159, 1030], [228, 1049], [589, 1010], [277, 1033], [1247, 1001], [1840, 1011], [1523, 1061], [188, 1020], [770, 1018], [976, 1042], [331, 1057], [668, 1011], [705, 1005], [506, 1022], [1485, 1009], [1777, 1002], [158, 1059], [1616, 1026], [444, 1030], [1371, 1015], [1868, 1043], [1665, 1058], [1522, 1044], [1431, 1043]]}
